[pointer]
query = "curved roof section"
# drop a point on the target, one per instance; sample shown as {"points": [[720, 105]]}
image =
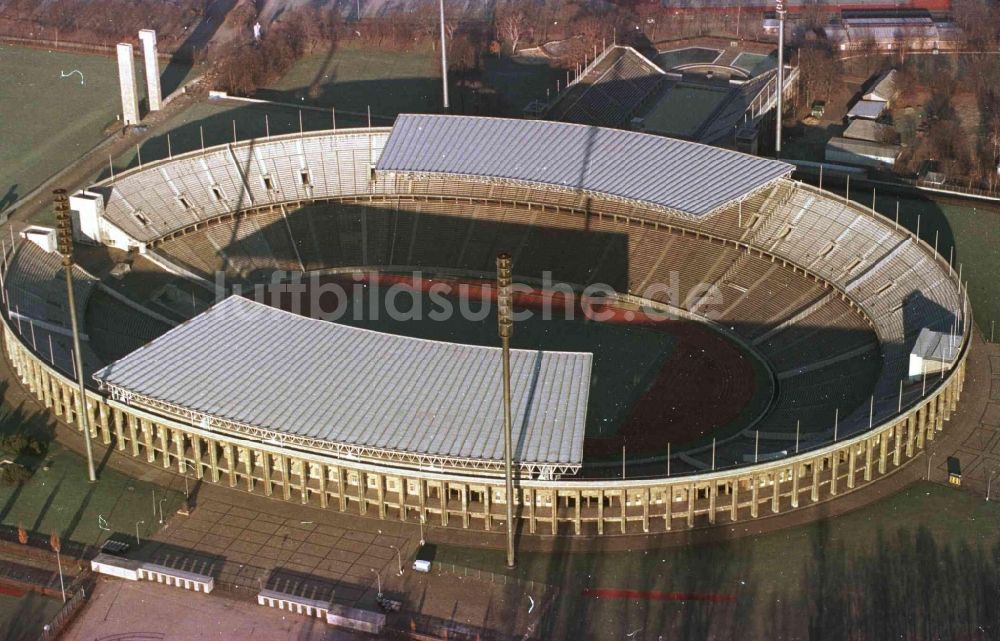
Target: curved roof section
{"points": [[262, 368], [682, 176]]}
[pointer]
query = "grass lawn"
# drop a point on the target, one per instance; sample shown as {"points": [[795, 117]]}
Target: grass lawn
{"points": [[215, 120], [47, 121], [60, 498], [352, 79], [928, 537], [973, 231], [22, 618]]}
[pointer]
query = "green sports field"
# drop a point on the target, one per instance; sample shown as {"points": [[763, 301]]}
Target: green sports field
{"points": [[215, 120], [972, 230], [49, 117], [682, 109], [675, 57], [60, 499], [353, 79], [22, 618], [929, 550]]}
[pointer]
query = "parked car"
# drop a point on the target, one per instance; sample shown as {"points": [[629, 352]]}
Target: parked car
{"points": [[425, 557]]}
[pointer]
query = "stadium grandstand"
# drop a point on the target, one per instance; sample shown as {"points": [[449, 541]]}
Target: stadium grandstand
{"points": [[705, 102], [828, 297]]}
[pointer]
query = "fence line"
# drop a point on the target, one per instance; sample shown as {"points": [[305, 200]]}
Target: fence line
{"points": [[453, 569], [54, 628]]}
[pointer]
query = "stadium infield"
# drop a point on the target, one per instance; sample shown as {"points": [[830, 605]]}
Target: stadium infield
{"points": [[657, 379]]}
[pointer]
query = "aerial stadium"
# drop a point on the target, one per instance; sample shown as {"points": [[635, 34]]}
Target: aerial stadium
{"points": [[760, 345]]}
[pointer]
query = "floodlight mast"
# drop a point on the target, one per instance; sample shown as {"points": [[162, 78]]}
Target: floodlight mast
{"points": [[505, 327], [444, 57], [780, 6], [65, 242]]}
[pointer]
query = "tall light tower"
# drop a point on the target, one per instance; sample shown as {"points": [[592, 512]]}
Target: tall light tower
{"points": [[505, 327], [780, 6], [444, 57], [65, 235]]}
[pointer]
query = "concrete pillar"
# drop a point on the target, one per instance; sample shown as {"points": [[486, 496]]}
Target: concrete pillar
{"points": [[932, 418], [47, 391], [380, 493], [712, 489], [754, 489], [775, 492], [921, 426], [692, 493], [196, 454], [283, 465], [127, 85], [897, 442], [815, 465], [342, 488], [465, 508], [362, 493], [734, 504], [147, 437], [148, 39], [645, 510], [796, 472], [164, 445], [213, 461], [623, 499], [852, 465], [883, 448], [487, 516], [304, 481], [232, 457], [102, 419], [600, 511], [118, 417], [266, 469], [668, 511], [323, 498], [554, 511], [181, 457], [92, 418], [422, 497], [868, 457], [577, 518], [834, 468], [443, 500], [528, 498], [133, 437]]}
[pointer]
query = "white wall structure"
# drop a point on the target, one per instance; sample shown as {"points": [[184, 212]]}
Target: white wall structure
{"points": [[126, 78], [148, 39], [87, 209]]}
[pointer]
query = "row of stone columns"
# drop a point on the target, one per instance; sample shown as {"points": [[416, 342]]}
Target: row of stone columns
{"points": [[585, 508]]}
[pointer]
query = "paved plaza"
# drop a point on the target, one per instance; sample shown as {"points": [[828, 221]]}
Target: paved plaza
{"points": [[250, 542], [125, 610]]}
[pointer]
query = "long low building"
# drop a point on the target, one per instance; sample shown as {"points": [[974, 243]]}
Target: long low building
{"points": [[861, 152]]}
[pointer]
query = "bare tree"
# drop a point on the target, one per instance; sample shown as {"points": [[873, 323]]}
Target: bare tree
{"points": [[511, 25]]}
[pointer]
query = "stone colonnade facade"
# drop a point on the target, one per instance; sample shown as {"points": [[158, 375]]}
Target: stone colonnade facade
{"points": [[566, 506]]}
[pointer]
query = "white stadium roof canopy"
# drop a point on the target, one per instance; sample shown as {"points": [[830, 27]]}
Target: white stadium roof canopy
{"points": [[246, 367], [682, 176]]}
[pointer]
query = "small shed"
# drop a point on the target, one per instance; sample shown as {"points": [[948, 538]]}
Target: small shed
{"points": [[869, 109], [861, 129], [861, 152], [884, 89], [954, 471]]}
